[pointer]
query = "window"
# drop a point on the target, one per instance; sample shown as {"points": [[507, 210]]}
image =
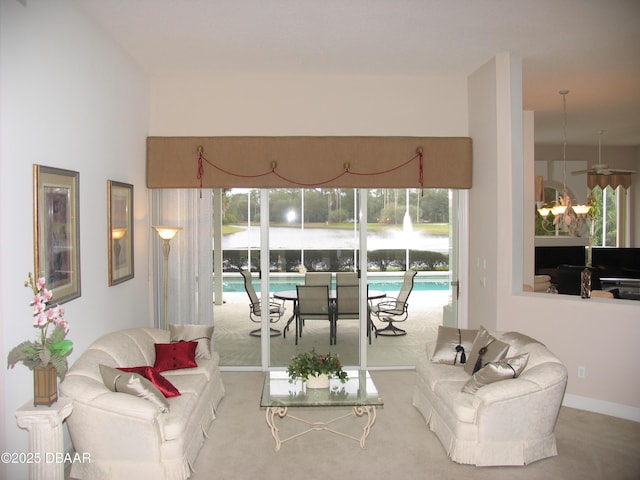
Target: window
{"points": [[608, 229]]}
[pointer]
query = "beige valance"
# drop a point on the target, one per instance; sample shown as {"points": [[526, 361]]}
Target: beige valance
{"points": [[614, 180], [276, 162]]}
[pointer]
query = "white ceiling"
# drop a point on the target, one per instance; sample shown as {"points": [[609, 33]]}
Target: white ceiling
{"points": [[589, 47]]}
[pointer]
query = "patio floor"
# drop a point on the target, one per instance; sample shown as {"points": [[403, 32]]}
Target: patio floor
{"points": [[238, 349]]}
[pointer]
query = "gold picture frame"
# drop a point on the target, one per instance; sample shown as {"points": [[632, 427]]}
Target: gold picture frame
{"points": [[56, 229], [120, 231]]}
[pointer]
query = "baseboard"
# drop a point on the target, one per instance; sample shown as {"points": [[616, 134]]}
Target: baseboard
{"points": [[601, 406]]}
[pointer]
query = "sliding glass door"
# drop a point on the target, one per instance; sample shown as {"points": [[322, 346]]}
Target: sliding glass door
{"points": [[313, 236], [285, 235]]}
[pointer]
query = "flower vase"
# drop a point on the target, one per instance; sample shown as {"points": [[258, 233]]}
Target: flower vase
{"points": [[45, 385], [320, 381]]}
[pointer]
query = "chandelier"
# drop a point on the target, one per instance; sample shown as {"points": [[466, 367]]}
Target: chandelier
{"points": [[562, 215]]}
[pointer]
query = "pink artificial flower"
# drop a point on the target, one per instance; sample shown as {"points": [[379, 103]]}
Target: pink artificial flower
{"points": [[47, 294], [63, 324], [41, 320], [39, 304], [40, 283]]}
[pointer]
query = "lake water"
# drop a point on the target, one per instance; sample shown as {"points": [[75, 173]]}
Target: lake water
{"points": [[289, 238]]}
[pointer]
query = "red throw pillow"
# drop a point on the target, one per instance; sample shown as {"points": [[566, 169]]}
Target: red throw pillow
{"points": [[165, 386], [172, 356]]}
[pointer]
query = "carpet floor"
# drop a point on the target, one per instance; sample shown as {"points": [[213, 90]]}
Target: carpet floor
{"points": [[400, 446]]}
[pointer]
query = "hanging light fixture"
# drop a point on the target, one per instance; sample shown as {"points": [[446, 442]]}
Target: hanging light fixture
{"points": [[566, 217]]}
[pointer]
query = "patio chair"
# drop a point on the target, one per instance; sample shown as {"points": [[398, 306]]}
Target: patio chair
{"points": [[313, 304], [276, 309], [318, 278], [347, 278], [394, 310], [347, 306]]}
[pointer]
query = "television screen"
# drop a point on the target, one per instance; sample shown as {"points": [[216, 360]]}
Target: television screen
{"points": [[548, 258], [617, 262]]}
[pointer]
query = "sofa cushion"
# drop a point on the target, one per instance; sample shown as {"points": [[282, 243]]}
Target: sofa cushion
{"points": [[453, 345], [486, 348], [205, 367], [133, 384], [461, 405], [174, 356], [194, 333], [155, 377], [434, 373], [495, 371], [192, 383]]}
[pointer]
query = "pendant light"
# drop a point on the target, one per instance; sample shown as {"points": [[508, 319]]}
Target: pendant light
{"points": [[566, 217]]}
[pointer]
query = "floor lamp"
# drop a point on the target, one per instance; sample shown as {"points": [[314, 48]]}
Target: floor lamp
{"points": [[166, 233]]}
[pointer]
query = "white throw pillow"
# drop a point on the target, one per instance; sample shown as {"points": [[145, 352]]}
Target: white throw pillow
{"points": [[495, 371], [194, 333]]}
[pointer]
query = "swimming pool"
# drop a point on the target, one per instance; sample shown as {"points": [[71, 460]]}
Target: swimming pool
{"points": [[387, 283]]}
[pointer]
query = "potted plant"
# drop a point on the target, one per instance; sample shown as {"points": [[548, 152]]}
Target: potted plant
{"points": [[47, 355], [316, 368]]}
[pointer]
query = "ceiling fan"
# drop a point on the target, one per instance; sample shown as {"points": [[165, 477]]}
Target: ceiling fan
{"points": [[602, 168]]}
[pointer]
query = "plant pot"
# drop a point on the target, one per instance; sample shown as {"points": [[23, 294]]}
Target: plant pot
{"points": [[45, 385], [321, 381]]}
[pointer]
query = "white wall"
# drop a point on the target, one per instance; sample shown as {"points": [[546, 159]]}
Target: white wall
{"points": [[483, 198], [600, 335], [68, 99], [205, 104]]}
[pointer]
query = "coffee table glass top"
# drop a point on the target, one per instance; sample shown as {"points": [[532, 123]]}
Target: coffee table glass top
{"points": [[358, 390]]}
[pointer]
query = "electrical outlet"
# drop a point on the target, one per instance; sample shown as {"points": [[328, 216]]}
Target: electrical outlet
{"points": [[582, 372]]}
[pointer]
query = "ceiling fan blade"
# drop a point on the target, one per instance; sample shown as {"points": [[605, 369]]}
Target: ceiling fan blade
{"points": [[621, 172], [579, 172], [611, 172]]}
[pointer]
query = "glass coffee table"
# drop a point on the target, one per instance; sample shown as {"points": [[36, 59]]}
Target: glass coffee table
{"points": [[358, 392]]}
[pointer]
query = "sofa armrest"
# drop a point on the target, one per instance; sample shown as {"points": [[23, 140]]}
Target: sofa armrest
{"points": [[540, 377], [116, 426], [521, 407], [126, 405]]}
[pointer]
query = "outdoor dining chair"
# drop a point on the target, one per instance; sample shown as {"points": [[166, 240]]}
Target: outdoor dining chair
{"points": [[347, 306], [313, 304], [276, 309], [318, 278], [394, 309], [347, 278]]}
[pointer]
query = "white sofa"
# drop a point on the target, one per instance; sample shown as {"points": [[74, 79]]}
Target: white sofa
{"points": [[127, 436], [509, 422]]}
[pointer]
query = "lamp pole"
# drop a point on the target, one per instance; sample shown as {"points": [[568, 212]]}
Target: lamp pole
{"points": [[166, 233]]}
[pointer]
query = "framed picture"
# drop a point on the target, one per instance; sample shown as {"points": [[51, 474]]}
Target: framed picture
{"points": [[56, 230], [120, 231]]}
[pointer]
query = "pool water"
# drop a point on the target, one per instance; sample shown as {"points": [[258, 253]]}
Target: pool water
{"points": [[387, 283]]}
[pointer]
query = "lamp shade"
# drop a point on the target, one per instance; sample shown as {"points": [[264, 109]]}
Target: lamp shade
{"points": [[581, 209], [118, 233], [544, 211], [166, 233]]}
